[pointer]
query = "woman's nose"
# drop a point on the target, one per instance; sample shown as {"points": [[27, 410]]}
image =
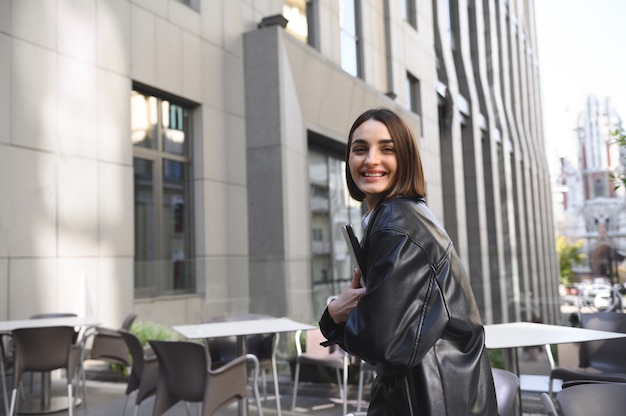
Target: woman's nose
{"points": [[372, 158]]}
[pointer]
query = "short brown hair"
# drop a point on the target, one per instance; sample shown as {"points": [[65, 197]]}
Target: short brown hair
{"points": [[410, 175]]}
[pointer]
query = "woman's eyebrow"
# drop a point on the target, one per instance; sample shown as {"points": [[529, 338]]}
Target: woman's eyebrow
{"points": [[381, 141]]}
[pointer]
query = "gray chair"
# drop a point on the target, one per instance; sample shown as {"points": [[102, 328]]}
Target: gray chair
{"points": [[108, 344], [44, 350], [314, 353], [80, 336], [592, 399], [507, 386], [185, 375], [144, 371], [263, 346], [603, 360]]}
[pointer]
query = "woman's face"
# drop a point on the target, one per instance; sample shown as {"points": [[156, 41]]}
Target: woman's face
{"points": [[372, 160]]}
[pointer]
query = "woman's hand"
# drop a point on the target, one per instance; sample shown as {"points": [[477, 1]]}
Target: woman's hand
{"points": [[340, 308]]}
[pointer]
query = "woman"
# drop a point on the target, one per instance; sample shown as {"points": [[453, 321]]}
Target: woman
{"points": [[416, 321]]}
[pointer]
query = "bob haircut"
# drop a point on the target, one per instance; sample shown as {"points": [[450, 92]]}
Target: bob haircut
{"points": [[410, 175]]}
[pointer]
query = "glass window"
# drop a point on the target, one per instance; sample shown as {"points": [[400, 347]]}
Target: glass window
{"points": [[331, 208], [162, 184], [295, 11], [414, 96], [350, 43], [409, 12]]}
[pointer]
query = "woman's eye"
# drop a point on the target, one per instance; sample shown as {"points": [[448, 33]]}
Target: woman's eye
{"points": [[389, 149], [358, 149]]}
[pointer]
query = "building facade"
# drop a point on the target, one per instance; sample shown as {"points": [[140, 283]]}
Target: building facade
{"points": [[184, 159]]}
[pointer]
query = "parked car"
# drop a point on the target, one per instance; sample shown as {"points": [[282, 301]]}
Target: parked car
{"points": [[589, 291], [601, 296]]}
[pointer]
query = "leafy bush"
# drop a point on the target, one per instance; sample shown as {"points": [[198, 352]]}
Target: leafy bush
{"points": [[496, 358], [152, 331]]}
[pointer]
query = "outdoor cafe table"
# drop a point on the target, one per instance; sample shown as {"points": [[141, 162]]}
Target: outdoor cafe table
{"points": [[241, 329], [510, 336], [47, 404]]}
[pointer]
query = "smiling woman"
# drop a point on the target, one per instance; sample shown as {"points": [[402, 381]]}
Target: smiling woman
{"points": [[416, 319]]}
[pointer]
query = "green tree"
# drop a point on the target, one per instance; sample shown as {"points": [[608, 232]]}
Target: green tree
{"points": [[619, 138], [570, 255]]}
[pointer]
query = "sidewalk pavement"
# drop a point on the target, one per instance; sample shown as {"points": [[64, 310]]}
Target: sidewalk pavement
{"points": [[107, 398]]}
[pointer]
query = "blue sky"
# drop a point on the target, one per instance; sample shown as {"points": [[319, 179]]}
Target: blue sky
{"points": [[582, 50]]}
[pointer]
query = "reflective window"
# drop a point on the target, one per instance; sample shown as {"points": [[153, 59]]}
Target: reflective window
{"points": [[409, 12], [295, 11], [331, 208], [414, 95], [350, 43], [162, 169]]}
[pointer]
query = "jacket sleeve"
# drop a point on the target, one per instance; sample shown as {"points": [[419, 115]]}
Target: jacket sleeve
{"points": [[403, 312], [332, 331]]}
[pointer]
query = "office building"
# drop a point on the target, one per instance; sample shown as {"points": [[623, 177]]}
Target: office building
{"points": [[184, 159]]}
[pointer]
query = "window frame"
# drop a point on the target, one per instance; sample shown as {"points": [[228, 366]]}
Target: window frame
{"points": [[414, 98], [355, 37], [409, 12], [162, 251]]}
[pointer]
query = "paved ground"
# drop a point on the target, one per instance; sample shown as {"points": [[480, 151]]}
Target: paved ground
{"points": [[106, 398]]}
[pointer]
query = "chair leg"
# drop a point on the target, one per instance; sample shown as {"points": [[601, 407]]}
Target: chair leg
{"points": [[359, 396], [125, 404], [81, 370], [295, 386], [264, 383], [338, 374], [13, 405], [343, 386], [70, 400], [257, 398], [276, 393], [80, 375], [4, 385]]}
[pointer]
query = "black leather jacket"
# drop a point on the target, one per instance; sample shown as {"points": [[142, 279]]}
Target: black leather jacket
{"points": [[418, 322]]}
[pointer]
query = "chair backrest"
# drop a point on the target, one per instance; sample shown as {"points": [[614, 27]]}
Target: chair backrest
{"points": [[313, 347], [128, 321], [77, 331], [224, 349], [593, 399], [261, 345], [184, 368], [144, 374], [42, 349], [135, 349], [606, 355], [507, 385]]}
